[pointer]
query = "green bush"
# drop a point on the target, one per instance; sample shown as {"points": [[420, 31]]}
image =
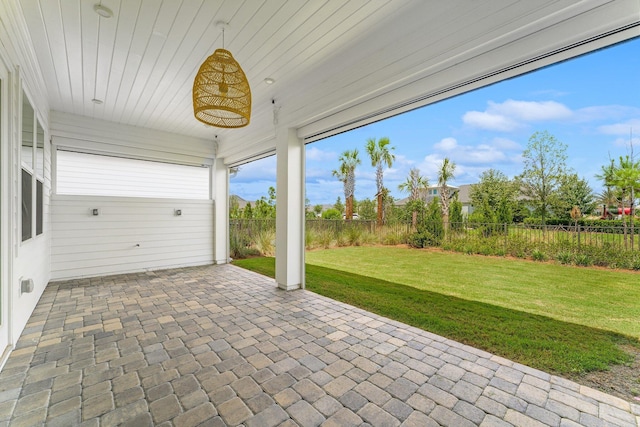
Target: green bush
{"points": [[240, 246], [538, 255], [421, 239], [583, 260], [564, 257], [331, 214]]}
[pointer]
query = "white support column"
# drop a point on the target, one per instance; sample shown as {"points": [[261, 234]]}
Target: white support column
{"points": [[220, 189], [289, 210]]}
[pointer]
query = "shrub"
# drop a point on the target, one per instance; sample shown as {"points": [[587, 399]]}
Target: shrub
{"points": [[486, 250], [265, 243], [309, 238], [354, 235], [325, 237], [368, 238], [393, 239], [564, 257], [239, 246], [583, 260], [331, 214], [538, 255], [420, 239]]}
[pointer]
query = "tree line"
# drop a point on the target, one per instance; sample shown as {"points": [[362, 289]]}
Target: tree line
{"points": [[546, 188]]}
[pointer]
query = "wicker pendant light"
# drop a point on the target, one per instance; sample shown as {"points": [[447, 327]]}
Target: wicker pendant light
{"points": [[221, 92]]}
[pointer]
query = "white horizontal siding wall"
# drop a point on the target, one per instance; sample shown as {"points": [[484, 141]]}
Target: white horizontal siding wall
{"points": [[95, 175], [129, 234]]}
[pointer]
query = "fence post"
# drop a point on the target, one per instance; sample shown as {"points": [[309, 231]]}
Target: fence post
{"points": [[506, 238]]}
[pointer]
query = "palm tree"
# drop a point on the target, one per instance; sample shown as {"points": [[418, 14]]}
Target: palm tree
{"points": [[625, 178], [381, 154], [346, 173], [413, 185], [445, 174]]}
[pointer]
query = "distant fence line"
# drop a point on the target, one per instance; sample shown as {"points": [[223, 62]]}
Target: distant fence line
{"points": [[613, 236]]}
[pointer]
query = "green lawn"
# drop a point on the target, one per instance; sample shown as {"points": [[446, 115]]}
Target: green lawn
{"points": [[541, 341], [601, 298]]}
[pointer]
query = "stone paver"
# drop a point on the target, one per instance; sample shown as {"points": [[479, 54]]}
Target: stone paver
{"points": [[221, 346]]}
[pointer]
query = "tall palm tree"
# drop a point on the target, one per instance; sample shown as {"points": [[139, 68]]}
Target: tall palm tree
{"points": [[381, 154], [346, 173], [625, 178], [445, 174], [413, 185]]}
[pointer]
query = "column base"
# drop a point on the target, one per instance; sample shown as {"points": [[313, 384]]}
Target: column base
{"points": [[292, 287]]}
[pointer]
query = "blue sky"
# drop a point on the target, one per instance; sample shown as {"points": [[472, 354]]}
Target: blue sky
{"points": [[589, 103]]}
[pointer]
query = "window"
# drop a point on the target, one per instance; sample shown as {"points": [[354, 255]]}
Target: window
{"points": [[39, 178], [26, 157], [27, 204], [32, 159], [27, 133], [39, 168], [96, 175], [39, 207]]}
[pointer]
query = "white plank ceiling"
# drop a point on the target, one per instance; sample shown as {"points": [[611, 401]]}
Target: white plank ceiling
{"points": [[334, 62]]}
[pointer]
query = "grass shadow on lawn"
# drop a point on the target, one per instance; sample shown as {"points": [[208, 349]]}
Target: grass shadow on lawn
{"points": [[537, 341]]}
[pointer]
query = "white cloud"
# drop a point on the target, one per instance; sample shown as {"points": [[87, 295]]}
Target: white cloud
{"points": [[469, 174], [624, 142], [532, 111], [252, 190], [263, 169], [324, 191], [317, 172], [505, 144], [481, 154], [446, 144], [430, 165], [512, 114], [621, 128], [605, 112], [316, 154], [489, 121]]}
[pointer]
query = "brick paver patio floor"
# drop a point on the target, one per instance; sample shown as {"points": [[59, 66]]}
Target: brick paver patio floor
{"points": [[218, 345]]}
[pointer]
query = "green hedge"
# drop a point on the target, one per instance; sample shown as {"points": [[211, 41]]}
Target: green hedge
{"points": [[613, 223]]}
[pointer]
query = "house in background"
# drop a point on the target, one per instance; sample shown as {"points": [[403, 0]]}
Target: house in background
{"points": [[433, 192], [82, 82]]}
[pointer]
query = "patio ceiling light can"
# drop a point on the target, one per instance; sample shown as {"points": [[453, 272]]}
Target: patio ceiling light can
{"points": [[221, 92]]}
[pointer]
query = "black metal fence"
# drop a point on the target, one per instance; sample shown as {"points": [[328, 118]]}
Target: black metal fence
{"points": [[612, 236], [605, 245]]}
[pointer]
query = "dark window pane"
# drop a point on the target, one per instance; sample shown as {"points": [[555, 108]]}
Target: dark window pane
{"points": [[27, 132], [39, 168], [39, 207], [27, 205]]}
